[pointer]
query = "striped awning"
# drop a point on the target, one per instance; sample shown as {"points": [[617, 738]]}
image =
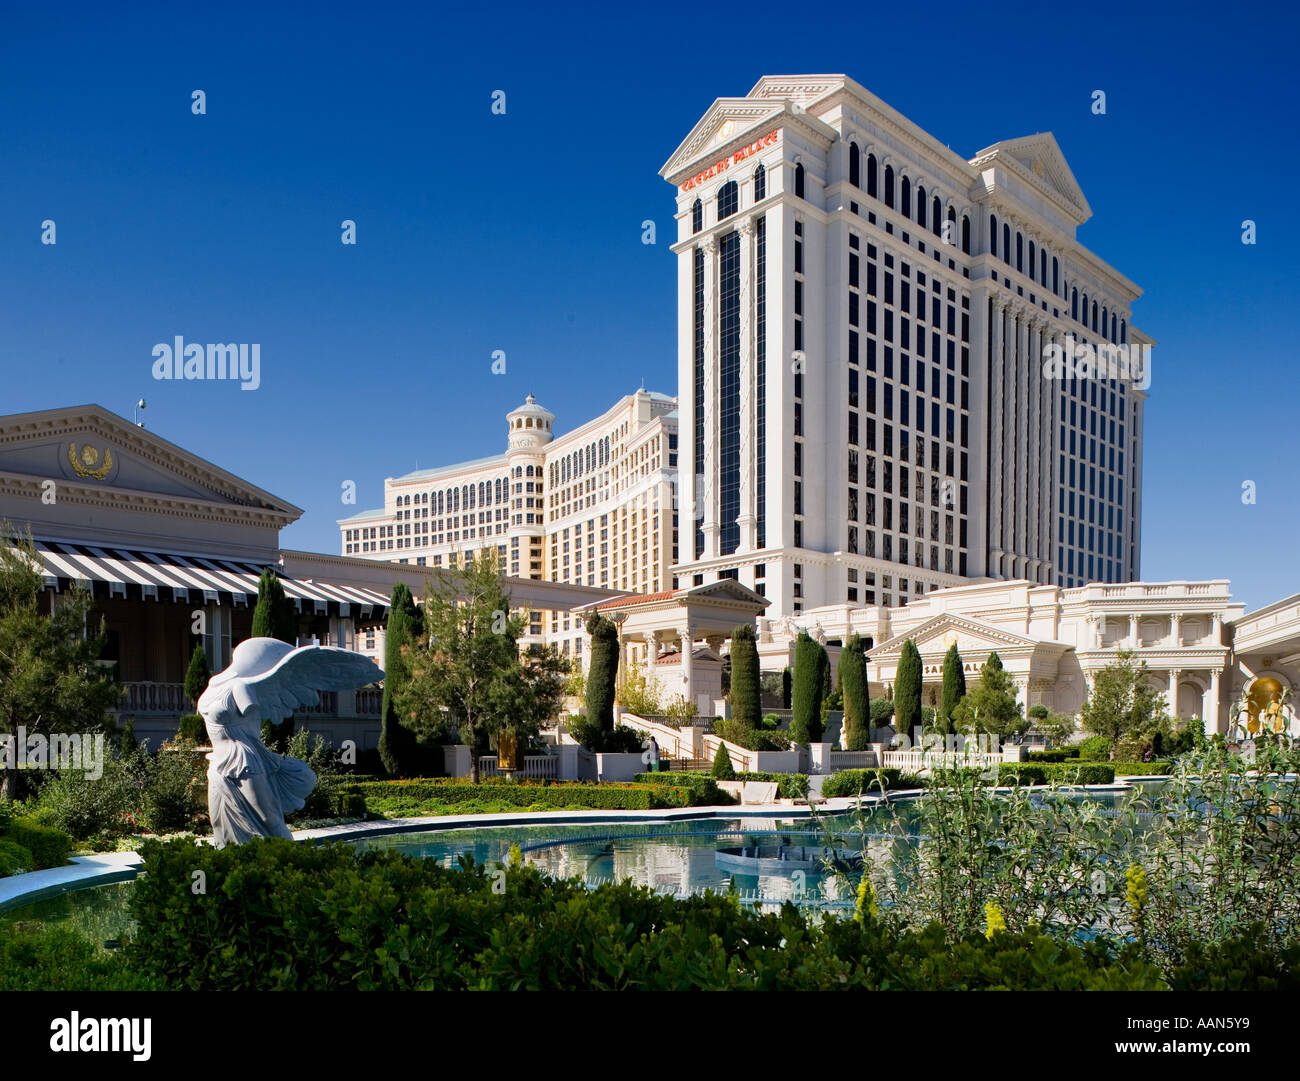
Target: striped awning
{"points": [[160, 575]]}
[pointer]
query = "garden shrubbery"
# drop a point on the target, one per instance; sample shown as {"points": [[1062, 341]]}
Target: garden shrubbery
{"points": [[703, 788], [860, 782], [1065, 773], [408, 795], [333, 917], [752, 739]]}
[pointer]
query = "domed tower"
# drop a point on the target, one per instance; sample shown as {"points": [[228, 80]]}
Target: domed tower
{"points": [[530, 432]]}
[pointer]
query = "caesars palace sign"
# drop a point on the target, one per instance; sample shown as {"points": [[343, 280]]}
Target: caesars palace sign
{"points": [[723, 164]]}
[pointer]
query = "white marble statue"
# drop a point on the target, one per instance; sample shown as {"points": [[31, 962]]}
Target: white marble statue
{"points": [[251, 789]]}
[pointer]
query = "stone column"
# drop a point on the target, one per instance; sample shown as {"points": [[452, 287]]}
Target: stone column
{"points": [[688, 674], [1020, 461], [1176, 628], [1212, 707], [1172, 696], [995, 442], [747, 521], [1132, 632], [710, 464], [652, 650]]}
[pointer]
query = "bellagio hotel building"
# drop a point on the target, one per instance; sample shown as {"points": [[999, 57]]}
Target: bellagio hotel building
{"points": [[592, 507]]}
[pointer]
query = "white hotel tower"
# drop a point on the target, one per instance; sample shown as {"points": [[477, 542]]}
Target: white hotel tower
{"points": [[862, 320]]}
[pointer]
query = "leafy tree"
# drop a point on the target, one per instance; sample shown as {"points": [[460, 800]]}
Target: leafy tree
{"points": [[49, 679], [907, 690], [1122, 703], [810, 664], [1057, 727], [852, 671], [275, 615], [639, 692], [467, 662], [746, 692], [602, 670], [198, 674], [126, 742], [991, 707], [398, 749], [954, 686], [722, 768]]}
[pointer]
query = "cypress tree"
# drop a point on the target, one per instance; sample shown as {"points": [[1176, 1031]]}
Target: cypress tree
{"points": [[198, 674], [275, 615], [907, 690], [397, 745], [786, 683], [810, 665], [746, 706], [953, 687], [852, 671], [722, 767], [602, 671]]}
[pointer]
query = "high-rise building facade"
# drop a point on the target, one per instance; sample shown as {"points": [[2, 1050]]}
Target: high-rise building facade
{"points": [[594, 507], [869, 405]]}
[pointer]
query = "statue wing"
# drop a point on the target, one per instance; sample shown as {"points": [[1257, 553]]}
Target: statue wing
{"points": [[299, 677]]}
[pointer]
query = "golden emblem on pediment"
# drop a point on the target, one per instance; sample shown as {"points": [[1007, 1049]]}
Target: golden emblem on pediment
{"points": [[1038, 167], [87, 462], [950, 639]]}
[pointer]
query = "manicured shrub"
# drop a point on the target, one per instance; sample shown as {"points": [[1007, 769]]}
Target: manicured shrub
{"points": [[860, 782], [602, 670], [198, 675], [14, 858], [954, 686], [1064, 773], [907, 690], [787, 684], [1095, 748], [1141, 769], [746, 692], [722, 770], [882, 712], [605, 797], [752, 739], [274, 615], [701, 788], [49, 847], [397, 743], [852, 669], [1060, 754], [619, 739], [192, 728], [810, 662]]}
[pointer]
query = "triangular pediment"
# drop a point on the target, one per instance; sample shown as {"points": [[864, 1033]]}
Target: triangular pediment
{"points": [[727, 590], [724, 124], [89, 448], [1039, 157], [933, 637]]}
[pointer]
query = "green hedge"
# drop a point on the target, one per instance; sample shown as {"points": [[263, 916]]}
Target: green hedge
{"points": [[14, 859], [1062, 754], [601, 797], [1095, 747], [1141, 769], [857, 782], [49, 847], [1029, 773], [702, 789], [284, 916], [789, 785]]}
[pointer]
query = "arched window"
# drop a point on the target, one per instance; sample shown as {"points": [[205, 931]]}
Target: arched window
{"points": [[760, 184], [798, 181], [952, 226], [1094, 316], [728, 199], [920, 206], [1056, 277], [871, 176], [1042, 266], [697, 216], [1104, 322], [1123, 332], [965, 234], [855, 166], [1114, 328], [1006, 244], [993, 235], [1083, 310], [905, 203], [936, 216], [1033, 253], [889, 186], [1020, 251]]}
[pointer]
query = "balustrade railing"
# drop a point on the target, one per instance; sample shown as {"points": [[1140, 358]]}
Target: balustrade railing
{"points": [[537, 767]]}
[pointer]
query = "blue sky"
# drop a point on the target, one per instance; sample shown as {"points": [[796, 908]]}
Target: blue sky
{"points": [[522, 232]]}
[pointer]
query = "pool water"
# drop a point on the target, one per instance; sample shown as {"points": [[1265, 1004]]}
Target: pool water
{"points": [[100, 914]]}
